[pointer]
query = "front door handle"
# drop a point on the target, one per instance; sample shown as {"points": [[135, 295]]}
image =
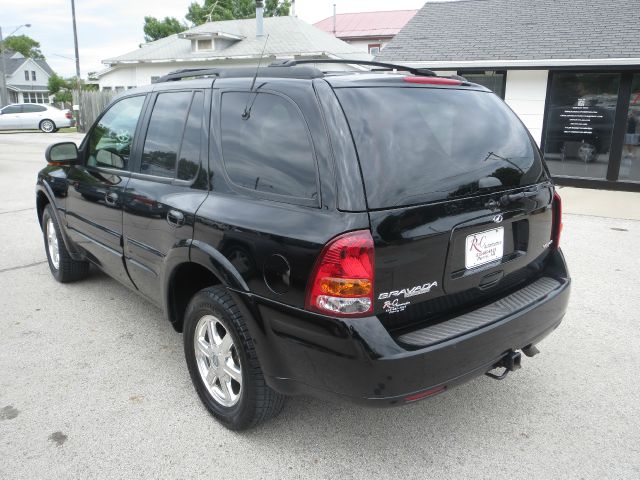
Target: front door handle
{"points": [[111, 199], [175, 218]]}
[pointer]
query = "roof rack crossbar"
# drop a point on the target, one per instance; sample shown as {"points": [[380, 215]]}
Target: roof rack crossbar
{"points": [[423, 72]]}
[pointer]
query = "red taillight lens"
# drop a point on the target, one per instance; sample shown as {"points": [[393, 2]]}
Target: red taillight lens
{"points": [[68, 115], [342, 280], [556, 229], [432, 80]]}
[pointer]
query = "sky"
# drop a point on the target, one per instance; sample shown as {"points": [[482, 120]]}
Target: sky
{"points": [[108, 28]]}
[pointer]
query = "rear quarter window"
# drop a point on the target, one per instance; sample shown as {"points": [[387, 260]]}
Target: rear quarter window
{"points": [[418, 145], [268, 151]]}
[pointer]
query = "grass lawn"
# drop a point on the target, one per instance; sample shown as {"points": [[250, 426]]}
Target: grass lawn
{"points": [[68, 130]]}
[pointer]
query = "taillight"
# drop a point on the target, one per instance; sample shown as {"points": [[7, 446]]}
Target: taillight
{"points": [[432, 80], [556, 229], [68, 115], [342, 280]]}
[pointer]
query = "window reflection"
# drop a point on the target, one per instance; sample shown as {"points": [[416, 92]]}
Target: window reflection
{"points": [[580, 120], [630, 165]]}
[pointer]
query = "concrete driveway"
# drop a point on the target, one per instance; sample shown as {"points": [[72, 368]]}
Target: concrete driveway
{"points": [[93, 383]]}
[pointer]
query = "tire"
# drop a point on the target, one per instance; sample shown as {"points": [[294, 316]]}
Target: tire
{"points": [[246, 403], [63, 268], [47, 126]]}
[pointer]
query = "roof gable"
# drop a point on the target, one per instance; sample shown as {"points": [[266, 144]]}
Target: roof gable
{"points": [[288, 36], [473, 30]]}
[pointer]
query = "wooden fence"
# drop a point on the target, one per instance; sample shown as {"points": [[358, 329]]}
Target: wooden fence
{"points": [[91, 105]]}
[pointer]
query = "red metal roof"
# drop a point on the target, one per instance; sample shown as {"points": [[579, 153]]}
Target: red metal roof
{"points": [[367, 24]]}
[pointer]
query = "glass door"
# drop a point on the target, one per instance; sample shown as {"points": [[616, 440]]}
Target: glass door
{"points": [[630, 163]]}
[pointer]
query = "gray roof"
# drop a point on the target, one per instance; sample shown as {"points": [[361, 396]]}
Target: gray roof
{"points": [[14, 61], [287, 36], [474, 30]]}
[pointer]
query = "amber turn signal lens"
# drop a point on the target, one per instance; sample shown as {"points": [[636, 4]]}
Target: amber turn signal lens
{"points": [[345, 287]]}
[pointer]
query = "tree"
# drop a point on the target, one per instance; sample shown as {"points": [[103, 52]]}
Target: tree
{"points": [[27, 46], [155, 29], [217, 10]]}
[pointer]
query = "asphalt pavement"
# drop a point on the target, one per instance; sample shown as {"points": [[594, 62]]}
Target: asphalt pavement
{"points": [[93, 382]]}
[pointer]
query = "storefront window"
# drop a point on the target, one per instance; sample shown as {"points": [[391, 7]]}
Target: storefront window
{"points": [[630, 165], [494, 81], [580, 118]]}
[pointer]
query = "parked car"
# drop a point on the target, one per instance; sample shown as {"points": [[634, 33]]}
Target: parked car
{"points": [[373, 237], [34, 116]]}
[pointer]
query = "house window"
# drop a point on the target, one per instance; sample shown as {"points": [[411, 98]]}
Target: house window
{"points": [[155, 78], [33, 75], [374, 48], [205, 44], [26, 75], [494, 81], [106, 89]]}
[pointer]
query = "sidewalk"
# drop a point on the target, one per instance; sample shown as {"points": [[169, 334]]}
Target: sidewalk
{"points": [[600, 203]]}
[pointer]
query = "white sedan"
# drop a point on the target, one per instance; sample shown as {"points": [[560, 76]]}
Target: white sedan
{"points": [[26, 116]]}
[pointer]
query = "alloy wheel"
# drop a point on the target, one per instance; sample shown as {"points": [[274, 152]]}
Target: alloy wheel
{"points": [[52, 244], [218, 360]]}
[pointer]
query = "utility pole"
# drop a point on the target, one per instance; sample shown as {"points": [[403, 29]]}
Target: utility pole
{"points": [[80, 127]]}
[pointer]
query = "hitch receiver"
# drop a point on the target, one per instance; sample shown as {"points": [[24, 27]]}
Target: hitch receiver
{"points": [[510, 362]]}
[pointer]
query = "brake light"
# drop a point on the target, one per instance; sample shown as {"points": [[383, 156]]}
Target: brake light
{"points": [[425, 394], [433, 80], [556, 229], [342, 280], [68, 115]]}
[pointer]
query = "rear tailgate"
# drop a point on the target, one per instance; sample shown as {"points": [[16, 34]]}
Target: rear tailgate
{"points": [[458, 197], [422, 255]]}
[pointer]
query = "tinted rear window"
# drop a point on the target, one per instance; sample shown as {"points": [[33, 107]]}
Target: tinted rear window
{"points": [[420, 145]]}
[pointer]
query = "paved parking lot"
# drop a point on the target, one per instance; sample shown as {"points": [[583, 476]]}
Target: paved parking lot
{"points": [[93, 382]]}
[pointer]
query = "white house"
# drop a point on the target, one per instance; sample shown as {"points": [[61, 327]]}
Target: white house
{"points": [[232, 42], [570, 70], [26, 78], [369, 31]]}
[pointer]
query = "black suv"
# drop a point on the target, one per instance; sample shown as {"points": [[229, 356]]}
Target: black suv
{"points": [[378, 237]]}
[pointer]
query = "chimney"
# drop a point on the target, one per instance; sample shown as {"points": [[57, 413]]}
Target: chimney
{"points": [[334, 19], [292, 10], [259, 18]]}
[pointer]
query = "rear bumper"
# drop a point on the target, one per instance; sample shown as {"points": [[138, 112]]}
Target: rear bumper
{"points": [[357, 359]]}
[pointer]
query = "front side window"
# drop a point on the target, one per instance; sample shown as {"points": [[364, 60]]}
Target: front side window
{"points": [[111, 139], [160, 153], [267, 150]]}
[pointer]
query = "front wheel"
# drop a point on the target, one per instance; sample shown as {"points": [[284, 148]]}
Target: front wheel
{"points": [[63, 267], [223, 364], [47, 126]]}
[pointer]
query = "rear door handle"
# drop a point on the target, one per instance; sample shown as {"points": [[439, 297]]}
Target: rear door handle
{"points": [[111, 198], [175, 218]]}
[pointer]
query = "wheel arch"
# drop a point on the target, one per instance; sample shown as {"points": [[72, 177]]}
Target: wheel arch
{"points": [[204, 267]]}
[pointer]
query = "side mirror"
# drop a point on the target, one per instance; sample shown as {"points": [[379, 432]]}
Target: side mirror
{"points": [[61, 153]]}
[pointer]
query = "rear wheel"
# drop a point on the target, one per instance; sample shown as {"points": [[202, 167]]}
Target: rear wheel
{"points": [[63, 267], [223, 364], [47, 126]]}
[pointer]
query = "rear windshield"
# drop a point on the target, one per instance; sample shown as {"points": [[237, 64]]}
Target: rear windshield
{"points": [[419, 145]]}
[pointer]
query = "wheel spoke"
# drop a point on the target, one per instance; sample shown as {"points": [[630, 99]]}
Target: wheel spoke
{"points": [[232, 370], [211, 377], [203, 347], [226, 344], [225, 388]]}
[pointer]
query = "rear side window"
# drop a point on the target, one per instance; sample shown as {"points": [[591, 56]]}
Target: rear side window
{"points": [[270, 151], [166, 126], [419, 145], [33, 108]]}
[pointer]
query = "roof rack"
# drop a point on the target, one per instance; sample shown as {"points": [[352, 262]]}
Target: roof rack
{"points": [[241, 72], [189, 72], [424, 72]]}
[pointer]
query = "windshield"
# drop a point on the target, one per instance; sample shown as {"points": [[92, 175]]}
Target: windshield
{"points": [[419, 145]]}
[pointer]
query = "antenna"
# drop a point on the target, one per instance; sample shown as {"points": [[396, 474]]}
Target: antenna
{"points": [[247, 109]]}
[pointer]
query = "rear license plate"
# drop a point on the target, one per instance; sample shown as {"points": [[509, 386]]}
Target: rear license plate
{"points": [[484, 247]]}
